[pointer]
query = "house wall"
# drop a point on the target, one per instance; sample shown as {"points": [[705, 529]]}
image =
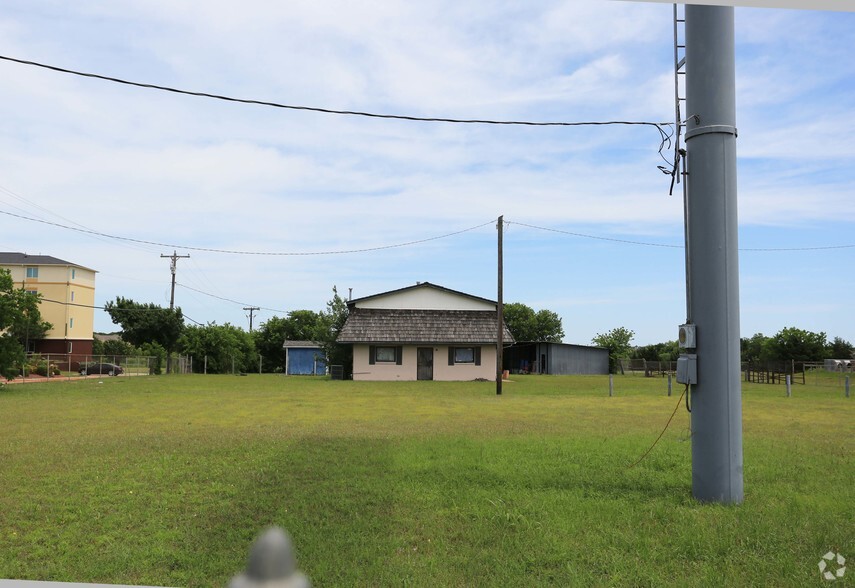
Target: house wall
{"points": [[407, 371], [74, 288], [426, 299]]}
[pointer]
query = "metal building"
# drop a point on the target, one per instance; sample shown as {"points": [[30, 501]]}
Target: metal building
{"points": [[555, 358]]}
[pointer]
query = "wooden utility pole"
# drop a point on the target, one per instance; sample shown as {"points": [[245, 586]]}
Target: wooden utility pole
{"points": [[500, 311], [172, 267], [251, 310]]}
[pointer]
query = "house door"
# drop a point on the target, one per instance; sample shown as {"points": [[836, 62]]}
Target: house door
{"points": [[424, 362]]}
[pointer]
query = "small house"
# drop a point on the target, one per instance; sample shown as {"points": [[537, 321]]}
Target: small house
{"points": [[423, 332]]}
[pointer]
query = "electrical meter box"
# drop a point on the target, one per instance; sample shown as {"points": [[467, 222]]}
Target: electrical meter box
{"points": [[686, 336], [687, 369]]}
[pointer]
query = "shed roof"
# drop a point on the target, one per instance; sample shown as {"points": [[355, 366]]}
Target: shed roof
{"points": [[376, 325], [301, 345]]}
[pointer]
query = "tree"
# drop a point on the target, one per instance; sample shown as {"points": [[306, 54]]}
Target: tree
{"points": [[20, 320], [330, 322], [798, 345], [226, 347], [668, 351], [527, 325], [147, 323], [617, 341], [299, 325], [841, 349], [756, 348]]}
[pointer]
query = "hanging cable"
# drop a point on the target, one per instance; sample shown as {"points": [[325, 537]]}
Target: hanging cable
{"points": [[658, 125], [638, 461]]}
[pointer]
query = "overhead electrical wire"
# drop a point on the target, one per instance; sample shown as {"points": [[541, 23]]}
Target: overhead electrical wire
{"points": [[257, 253], [229, 299], [658, 125], [669, 246], [405, 244]]}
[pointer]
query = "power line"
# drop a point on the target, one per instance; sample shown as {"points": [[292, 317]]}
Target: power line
{"points": [[230, 300], [660, 126], [236, 252], [666, 245]]}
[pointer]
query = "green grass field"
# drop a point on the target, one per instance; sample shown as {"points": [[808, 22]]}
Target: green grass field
{"points": [[167, 480]]}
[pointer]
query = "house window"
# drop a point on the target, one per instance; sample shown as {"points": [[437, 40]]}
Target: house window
{"points": [[464, 355], [71, 323], [72, 295], [32, 272], [73, 271], [33, 292], [385, 354]]}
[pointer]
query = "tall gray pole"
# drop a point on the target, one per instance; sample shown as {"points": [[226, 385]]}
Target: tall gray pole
{"points": [[713, 263], [500, 310]]}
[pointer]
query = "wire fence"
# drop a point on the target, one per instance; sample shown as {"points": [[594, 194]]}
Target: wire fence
{"points": [[41, 367]]}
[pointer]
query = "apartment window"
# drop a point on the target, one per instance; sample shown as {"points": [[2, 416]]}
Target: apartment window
{"points": [[385, 354], [73, 271], [32, 272], [33, 292], [72, 295], [464, 355], [71, 323]]}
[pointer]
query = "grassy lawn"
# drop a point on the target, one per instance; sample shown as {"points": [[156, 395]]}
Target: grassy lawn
{"points": [[167, 480]]}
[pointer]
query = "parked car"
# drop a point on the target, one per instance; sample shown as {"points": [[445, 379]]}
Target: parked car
{"points": [[110, 369]]}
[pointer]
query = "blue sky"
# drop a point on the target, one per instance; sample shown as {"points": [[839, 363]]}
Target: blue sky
{"points": [[200, 173]]}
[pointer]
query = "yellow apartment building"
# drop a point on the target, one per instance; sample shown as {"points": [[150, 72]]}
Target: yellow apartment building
{"points": [[68, 298]]}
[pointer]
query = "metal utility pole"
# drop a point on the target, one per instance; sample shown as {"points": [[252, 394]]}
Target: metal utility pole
{"points": [[713, 268], [500, 314], [251, 310], [172, 266]]}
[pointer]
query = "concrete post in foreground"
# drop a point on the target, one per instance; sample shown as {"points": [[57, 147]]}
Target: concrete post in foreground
{"points": [[611, 385], [713, 268], [271, 564]]}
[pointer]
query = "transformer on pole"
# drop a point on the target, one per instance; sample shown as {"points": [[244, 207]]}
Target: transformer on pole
{"points": [[712, 328]]}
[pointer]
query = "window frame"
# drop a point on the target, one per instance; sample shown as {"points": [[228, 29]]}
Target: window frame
{"points": [[452, 355], [32, 272], [373, 351]]}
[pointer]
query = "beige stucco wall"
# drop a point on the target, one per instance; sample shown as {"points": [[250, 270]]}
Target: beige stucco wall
{"points": [[407, 371], [69, 286], [426, 299]]}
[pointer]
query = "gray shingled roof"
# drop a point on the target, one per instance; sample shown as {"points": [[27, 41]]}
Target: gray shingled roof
{"points": [[380, 325], [14, 258]]}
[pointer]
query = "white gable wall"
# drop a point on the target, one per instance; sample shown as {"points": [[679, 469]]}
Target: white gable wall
{"points": [[426, 298]]}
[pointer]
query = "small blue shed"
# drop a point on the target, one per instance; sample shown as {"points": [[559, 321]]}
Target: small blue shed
{"points": [[304, 358]]}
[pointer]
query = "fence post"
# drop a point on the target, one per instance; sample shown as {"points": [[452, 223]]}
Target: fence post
{"points": [[611, 384], [669, 384], [271, 564], [789, 386], [259, 364], [206, 365], [847, 386], [233, 365]]}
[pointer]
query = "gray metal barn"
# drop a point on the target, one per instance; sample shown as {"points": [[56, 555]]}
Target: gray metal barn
{"points": [[555, 358]]}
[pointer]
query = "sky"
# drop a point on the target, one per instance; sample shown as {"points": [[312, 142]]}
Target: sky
{"points": [[590, 232]]}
